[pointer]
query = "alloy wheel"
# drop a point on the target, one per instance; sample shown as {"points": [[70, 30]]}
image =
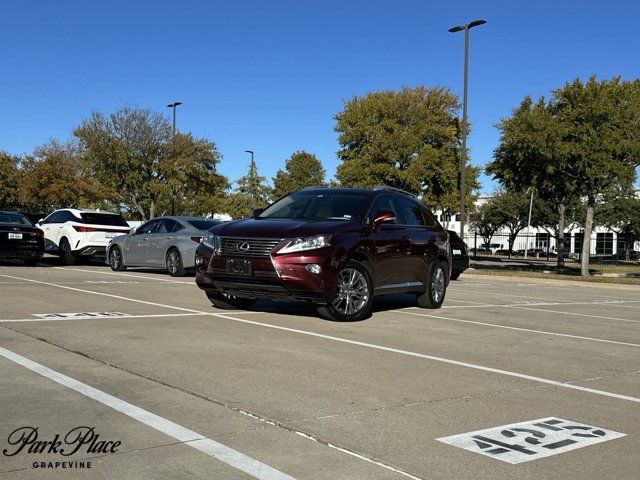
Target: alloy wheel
{"points": [[115, 259], [353, 292], [437, 285], [172, 262]]}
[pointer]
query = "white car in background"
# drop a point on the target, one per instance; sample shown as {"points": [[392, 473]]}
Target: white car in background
{"points": [[74, 233]]}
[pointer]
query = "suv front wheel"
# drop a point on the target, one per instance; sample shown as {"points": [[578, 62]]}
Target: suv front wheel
{"points": [[354, 294], [436, 286]]}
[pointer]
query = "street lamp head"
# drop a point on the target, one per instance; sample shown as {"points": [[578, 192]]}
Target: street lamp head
{"points": [[475, 23], [249, 151], [456, 29], [174, 104]]}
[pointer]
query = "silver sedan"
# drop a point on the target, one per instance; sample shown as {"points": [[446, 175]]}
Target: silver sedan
{"points": [[164, 242]]}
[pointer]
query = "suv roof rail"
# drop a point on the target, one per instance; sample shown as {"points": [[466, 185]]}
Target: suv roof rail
{"points": [[394, 189]]}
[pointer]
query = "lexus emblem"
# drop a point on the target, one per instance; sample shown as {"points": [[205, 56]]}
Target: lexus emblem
{"points": [[243, 246]]}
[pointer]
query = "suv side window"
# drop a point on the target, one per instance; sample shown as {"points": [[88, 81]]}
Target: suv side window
{"points": [[67, 216], [55, 217], [411, 212], [384, 203], [429, 218]]}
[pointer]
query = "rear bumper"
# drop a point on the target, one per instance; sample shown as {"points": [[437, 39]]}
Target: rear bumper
{"points": [[91, 251], [282, 277], [22, 250], [460, 263]]}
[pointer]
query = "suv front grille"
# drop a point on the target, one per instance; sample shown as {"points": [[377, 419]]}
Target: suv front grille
{"points": [[248, 247]]}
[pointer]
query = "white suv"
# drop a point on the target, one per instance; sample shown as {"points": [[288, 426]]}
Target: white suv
{"points": [[78, 233]]}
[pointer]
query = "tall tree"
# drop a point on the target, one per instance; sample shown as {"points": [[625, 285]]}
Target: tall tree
{"points": [[54, 177], [486, 220], [252, 192], [9, 180], [409, 139], [301, 170], [512, 209], [600, 120], [532, 153], [619, 211], [189, 169], [134, 152]]}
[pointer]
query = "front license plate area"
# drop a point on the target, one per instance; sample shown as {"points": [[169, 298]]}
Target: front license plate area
{"points": [[237, 266]]}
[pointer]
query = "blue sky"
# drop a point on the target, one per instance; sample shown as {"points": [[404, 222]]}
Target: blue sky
{"points": [[269, 75]]}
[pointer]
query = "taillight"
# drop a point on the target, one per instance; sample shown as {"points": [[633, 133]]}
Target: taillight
{"points": [[82, 228], [196, 239], [39, 233]]}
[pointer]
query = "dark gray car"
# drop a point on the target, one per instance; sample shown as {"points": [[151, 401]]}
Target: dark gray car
{"points": [[164, 242]]}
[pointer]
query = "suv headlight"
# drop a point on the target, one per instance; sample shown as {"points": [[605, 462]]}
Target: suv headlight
{"points": [[306, 243], [212, 241]]}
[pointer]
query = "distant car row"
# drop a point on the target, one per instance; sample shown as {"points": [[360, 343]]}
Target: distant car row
{"points": [[77, 234]]}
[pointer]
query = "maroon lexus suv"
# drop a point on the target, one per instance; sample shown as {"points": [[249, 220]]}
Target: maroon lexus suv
{"points": [[335, 247]]}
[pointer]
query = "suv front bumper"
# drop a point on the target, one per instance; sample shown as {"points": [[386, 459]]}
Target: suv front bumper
{"points": [[279, 277]]}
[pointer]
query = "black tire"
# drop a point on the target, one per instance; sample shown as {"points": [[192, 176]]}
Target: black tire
{"points": [[66, 255], [173, 262], [115, 260], [436, 290], [350, 286], [455, 275], [230, 302], [31, 262]]}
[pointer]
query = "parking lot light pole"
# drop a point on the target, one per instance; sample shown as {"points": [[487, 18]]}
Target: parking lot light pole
{"points": [[173, 106], [526, 246], [463, 158]]}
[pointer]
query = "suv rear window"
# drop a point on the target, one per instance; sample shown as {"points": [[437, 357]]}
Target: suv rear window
{"points": [[7, 218], [104, 219]]}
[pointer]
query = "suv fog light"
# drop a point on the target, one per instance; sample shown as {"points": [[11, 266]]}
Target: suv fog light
{"points": [[313, 268]]}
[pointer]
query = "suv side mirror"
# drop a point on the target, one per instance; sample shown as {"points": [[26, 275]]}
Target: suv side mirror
{"points": [[256, 213], [383, 216]]}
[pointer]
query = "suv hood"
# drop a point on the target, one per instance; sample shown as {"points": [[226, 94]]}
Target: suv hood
{"points": [[268, 228]]}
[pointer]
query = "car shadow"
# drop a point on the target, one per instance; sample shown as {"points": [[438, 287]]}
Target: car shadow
{"points": [[305, 309]]}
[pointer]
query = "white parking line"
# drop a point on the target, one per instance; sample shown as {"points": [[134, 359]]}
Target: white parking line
{"points": [[125, 275], [53, 319], [190, 438], [574, 313], [404, 312], [615, 303], [448, 361]]}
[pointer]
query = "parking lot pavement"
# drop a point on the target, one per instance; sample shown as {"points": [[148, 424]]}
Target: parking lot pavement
{"points": [[280, 393]]}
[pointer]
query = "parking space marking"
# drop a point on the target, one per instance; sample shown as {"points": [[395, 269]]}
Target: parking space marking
{"points": [[515, 304], [528, 330], [58, 319], [434, 358], [190, 438], [574, 313], [531, 440], [619, 294], [125, 275]]}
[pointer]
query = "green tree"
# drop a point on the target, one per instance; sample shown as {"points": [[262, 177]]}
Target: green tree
{"points": [[486, 220], [600, 121], [619, 211], [532, 153], [301, 170], [134, 152], [252, 192], [189, 169], [512, 210], [54, 177], [9, 180], [409, 139]]}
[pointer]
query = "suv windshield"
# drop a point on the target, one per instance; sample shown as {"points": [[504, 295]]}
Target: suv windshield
{"points": [[318, 205], [104, 219], [7, 218]]}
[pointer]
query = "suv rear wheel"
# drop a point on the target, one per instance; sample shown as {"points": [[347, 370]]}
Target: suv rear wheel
{"points": [[230, 302], [66, 255], [436, 286], [354, 294]]}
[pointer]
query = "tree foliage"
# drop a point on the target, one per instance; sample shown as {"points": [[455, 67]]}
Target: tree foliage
{"points": [[619, 211], [9, 180], [301, 170], [54, 177], [486, 220], [252, 192], [408, 139], [584, 140], [134, 152]]}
